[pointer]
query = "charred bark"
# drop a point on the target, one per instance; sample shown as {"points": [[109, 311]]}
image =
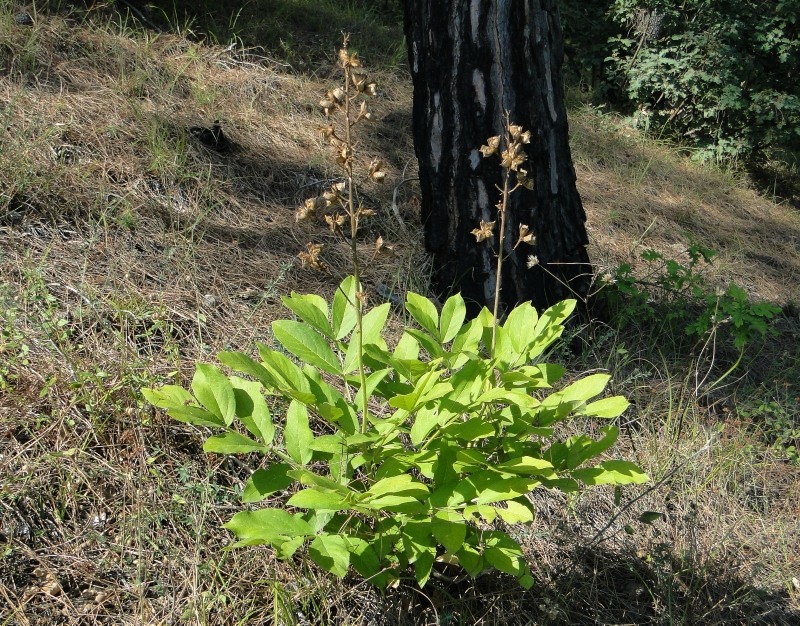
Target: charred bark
{"points": [[471, 62]]}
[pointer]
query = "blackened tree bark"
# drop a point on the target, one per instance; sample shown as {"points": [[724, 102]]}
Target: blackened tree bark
{"points": [[471, 62]]}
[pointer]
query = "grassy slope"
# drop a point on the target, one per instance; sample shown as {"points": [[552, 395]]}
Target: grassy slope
{"points": [[127, 251]]}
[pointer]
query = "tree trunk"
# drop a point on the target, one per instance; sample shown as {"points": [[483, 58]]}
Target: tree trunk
{"points": [[471, 62]]}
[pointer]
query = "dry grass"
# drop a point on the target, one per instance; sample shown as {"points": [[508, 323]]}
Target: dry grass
{"points": [[640, 195], [128, 251]]}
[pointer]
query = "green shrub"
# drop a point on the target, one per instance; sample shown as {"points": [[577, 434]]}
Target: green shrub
{"points": [[451, 439], [672, 292], [720, 75]]}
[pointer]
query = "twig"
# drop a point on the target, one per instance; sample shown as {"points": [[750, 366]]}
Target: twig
{"points": [[647, 491], [395, 208]]}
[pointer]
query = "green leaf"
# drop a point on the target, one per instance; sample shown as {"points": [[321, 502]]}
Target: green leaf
{"points": [[468, 338], [168, 396], [518, 327], [214, 391], [487, 323], [549, 327], [611, 473], [582, 448], [417, 539], [331, 553], [487, 513], [268, 526], [373, 380], [306, 477], [264, 482], [454, 312], [554, 409], [527, 465], [649, 517], [297, 433], [585, 388], [197, 416], [403, 484], [508, 396], [449, 530], [425, 421], [181, 405], [533, 376], [332, 406], [330, 444], [252, 410], [503, 351], [408, 505], [288, 378], [343, 312], [515, 513], [233, 443], [306, 344], [407, 348], [284, 550], [373, 322], [424, 312], [607, 407], [315, 499], [240, 362], [430, 344], [411, 401], [312, 309], [471, 560], [423, 567], [492, 486], [471, 430], [365, 561], [508, 560]]}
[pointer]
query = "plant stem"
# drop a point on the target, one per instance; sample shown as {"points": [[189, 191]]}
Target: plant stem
{"points": [[496, 311], [351, 209]]}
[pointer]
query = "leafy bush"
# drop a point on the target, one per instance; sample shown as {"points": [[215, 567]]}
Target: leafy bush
{"points": [[777, 421], [721, 75], [675, 292], [450, 440]]}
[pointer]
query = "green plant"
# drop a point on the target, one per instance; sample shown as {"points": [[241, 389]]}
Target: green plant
{"points": [[443, 446], [778, 421], [674, 292], [385, 458], [718, 75]]}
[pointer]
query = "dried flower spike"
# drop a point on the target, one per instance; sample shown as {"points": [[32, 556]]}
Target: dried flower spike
{"points": [[525, 236], [311, 259], [492, 144], [523, 180], [327, 132], [512, 157], [382, 248], [335, 222], [309, 208], [348, 60], [484, 231], [376, 172]]}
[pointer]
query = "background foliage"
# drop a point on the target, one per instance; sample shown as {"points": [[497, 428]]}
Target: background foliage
{"points": [[721, 76]]}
